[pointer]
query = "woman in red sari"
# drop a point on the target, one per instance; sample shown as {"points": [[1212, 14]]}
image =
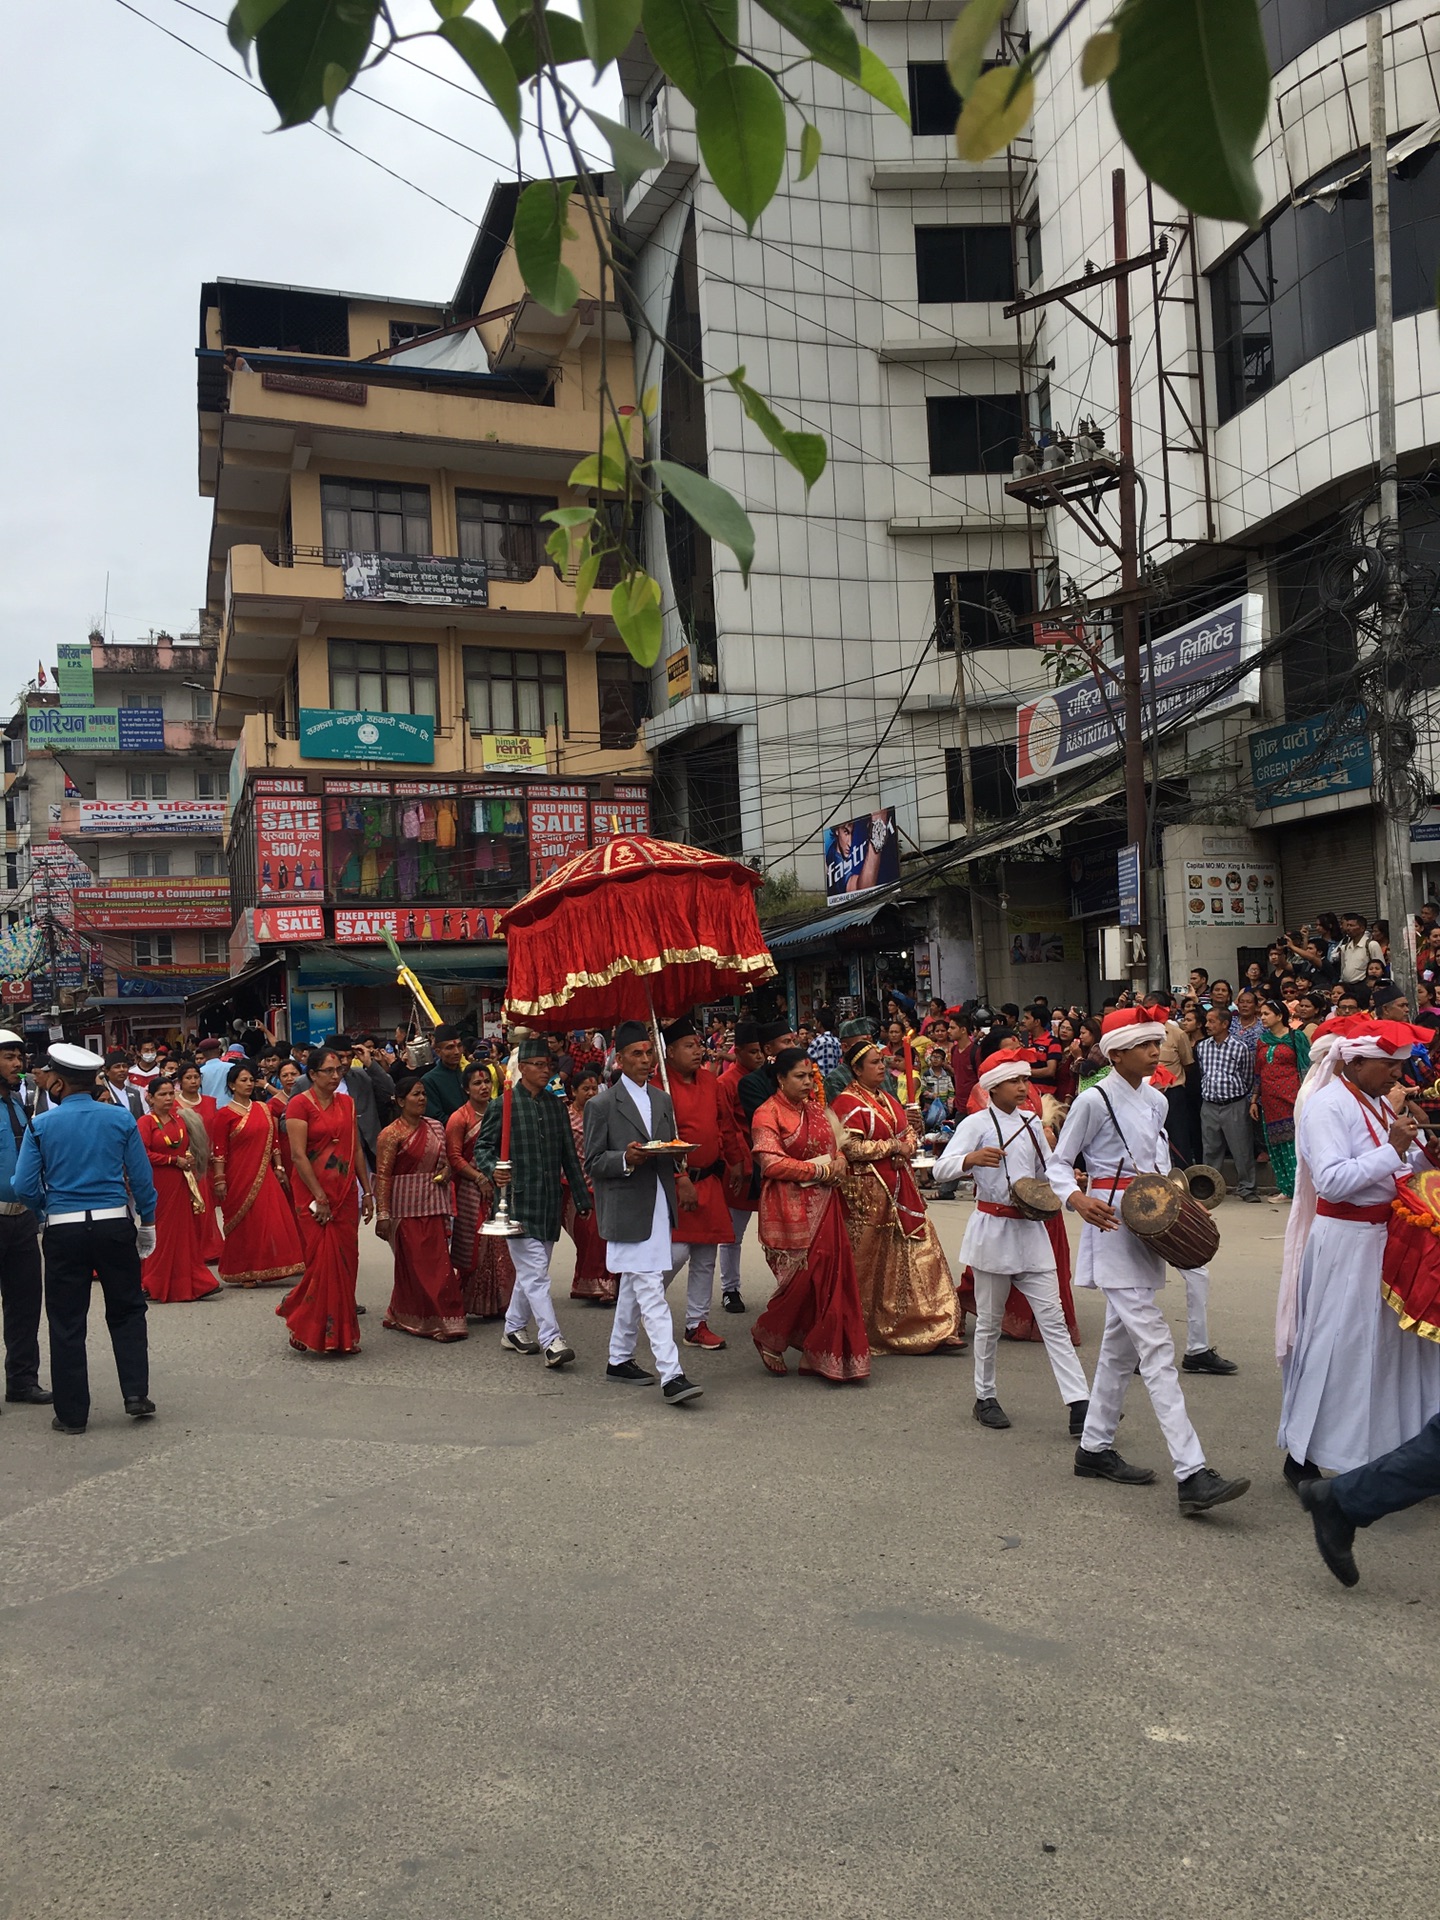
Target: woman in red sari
{"points": [[412, 1212], [487, 1275], [289, 1073], [329, 1172], [816, 1306], [198, 1111], [262, 1245], [593, 1281], [176, 1270]]}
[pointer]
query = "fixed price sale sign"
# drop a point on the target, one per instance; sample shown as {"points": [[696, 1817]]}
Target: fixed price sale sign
{"points": [[559, 829], [288, 859]]}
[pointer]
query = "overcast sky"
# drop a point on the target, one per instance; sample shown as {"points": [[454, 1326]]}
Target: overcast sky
{"points": [[135, 171]]}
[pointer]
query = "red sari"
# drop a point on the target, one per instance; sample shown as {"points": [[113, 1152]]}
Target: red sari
{"points": [[212, 1240], [261, 1243], [816, 1306], [176, 1270], [426, 1298], [320, 1310], [593, 1279], [487, 1273], [1018, 1322]]}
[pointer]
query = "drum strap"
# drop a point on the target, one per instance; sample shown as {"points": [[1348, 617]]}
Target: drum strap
{"points": [[1120, 1131], [1026, 1120]]}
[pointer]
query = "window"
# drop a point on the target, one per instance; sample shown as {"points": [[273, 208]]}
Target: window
{"points": [[368, 516], [12, 876], [964, 263], [992, 606], [503, 530], [207, 866], [207, 784], [202, 705], [138, 700], [148, 866], [509, 692], [1034, 256], [992, 775], [149, 786], [286, 319], [1290, 26], [973, 433], [213, 949], [154, 950], [934, 103], [427, 852], [372, 676], [402, 332], [1319, 660], [624, 698]]}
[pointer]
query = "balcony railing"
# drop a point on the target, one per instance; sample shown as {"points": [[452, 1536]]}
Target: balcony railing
{"points": [[524, 559]]}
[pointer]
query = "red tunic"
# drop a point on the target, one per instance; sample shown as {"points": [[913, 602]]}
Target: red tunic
{"points": [[746, 1197], [702, 1115]]}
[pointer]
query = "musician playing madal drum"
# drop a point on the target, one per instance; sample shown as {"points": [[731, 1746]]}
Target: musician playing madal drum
{"points": [[1360, 1374], [1118, 1125]]}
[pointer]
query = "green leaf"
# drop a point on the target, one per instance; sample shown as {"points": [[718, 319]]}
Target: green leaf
{"points": [[804, 451], [586, 576], [592, 471], [688, 38], [635, 609], [450, 9], [632, 153], [512, 10], [303, 38], [713, 510], [822, 30], [608, 26], [1190, 95], [810, 149], [490, 64], [567, 42], [246, 20], [569, 516], [558, 548], [879, 82], [969, 38], [740, 124], [996, 111], [333, 83], [539, 230], [1099, 57]]}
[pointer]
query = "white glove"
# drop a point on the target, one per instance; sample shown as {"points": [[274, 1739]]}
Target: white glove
{"points": [[145, 1241]]}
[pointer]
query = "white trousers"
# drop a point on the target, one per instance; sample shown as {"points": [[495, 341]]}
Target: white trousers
{"points": [[642, 1298], [700, 1287], [1197, 1308], [531, 1298], [1042, 1290], [1136, 1329], [730, 1256]]}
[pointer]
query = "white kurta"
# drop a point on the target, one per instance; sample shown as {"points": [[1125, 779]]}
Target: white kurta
{"points": [[651, 1255], [993, 1244], [1355, 1384], [1118, 1258]]}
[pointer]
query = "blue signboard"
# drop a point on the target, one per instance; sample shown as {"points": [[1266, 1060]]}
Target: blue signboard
{"points": [[128, 729], [1093, 874], [331, 733], [1127, 881], [1307, 759], [141, 729]]}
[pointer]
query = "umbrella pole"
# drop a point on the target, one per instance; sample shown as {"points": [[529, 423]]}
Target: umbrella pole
{"points": [[659, 1043]]}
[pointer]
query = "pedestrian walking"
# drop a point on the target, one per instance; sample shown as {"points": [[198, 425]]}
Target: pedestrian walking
{"points": [[21, 1290], [1398, 1479], [703, 1225]]}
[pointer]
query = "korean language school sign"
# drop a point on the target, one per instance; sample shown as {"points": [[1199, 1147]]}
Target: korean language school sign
{"points": [[1307, 759], [96, 729], [333, 733], [559, 821], [1205, 661]]}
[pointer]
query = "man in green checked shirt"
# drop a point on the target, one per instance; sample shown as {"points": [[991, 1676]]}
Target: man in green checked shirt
{"points": [[542, 1153]]}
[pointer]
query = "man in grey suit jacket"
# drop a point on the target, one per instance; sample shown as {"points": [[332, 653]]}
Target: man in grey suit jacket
{"points": [[635, 1210]]}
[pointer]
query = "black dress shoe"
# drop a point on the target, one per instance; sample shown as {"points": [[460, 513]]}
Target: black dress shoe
{"points": [[62, 1426], [1107, 1465], [1334, 1533], [1207, 1362], [139, 1408], [1297, 1472], [679, 1390], [35, 1396], [1207, 1489], [732, 1302], [1078, 1410], [358, 1307], [990, 1413], [628, 1371]]}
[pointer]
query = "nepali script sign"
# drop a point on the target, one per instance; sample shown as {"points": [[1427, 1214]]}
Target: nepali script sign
{"points": [[1084, 720]]}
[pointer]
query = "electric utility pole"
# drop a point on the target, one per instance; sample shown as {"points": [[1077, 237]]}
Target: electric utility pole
{"points": [[967, 790]]}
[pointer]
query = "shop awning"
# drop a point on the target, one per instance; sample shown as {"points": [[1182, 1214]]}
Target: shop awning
{"points": [[218, 990], [815, 932], [129, 1003], [329, 967]]}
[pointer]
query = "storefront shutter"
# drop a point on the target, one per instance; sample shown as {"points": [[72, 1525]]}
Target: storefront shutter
{"points": [[1328, 865]]}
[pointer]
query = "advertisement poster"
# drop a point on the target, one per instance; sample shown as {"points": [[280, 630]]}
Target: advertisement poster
{"points": [[367, 926], [1083, 721], [628, 811], [1240, 893], [1307, 759], [1039, 938], [678, 678], [150, 816], [75, 673], [121, 906], [274, 922], [419, 580], [559, 829], [332, 733], [508, 751], [288, 859], [860, 855], [118, 729]]}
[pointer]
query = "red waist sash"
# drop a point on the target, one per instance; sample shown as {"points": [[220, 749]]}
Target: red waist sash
{"points": [[1376, 1216], [1001, 1211]]}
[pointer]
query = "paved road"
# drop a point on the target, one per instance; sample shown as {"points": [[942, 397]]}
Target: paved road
{"points": [[432, 1633]]}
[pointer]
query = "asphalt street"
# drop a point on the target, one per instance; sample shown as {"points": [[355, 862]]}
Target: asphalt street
{"points": [[431, 1632]]}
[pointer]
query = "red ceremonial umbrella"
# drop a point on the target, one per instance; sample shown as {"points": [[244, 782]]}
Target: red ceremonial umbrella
{"points": [[633, 930]]}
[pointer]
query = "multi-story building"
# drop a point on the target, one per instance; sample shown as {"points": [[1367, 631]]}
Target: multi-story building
{"points": [[422, 722]]}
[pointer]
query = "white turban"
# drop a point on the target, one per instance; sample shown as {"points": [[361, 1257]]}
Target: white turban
{"points": [[1004, 1066], [1135, 1034]]}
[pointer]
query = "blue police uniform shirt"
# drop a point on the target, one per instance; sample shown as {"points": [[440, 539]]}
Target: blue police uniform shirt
{"points": [[213, 1076], [9, 1148], [78, 1157]]}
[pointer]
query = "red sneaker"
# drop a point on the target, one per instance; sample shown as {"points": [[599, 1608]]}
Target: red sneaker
{"points": [[701, 1336]]}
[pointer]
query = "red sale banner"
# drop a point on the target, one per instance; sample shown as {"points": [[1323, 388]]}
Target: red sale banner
{"points": [[366, 926], [559, 829], [287, 847]]}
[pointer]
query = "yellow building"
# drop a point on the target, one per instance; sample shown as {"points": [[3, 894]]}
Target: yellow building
{"points": [[423, 724]]}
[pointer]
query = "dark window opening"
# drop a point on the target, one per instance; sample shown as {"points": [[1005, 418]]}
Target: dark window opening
{"points": [[973, 433], [504, 530], [992, 777], [402, 332], [514, 691], [1290, 26], [373, 676], [964, 263], [624, 687], [370, 516], [285, 320], [1318, 663], [682, 438], [934, 103], [991, 610], [697, 793]]}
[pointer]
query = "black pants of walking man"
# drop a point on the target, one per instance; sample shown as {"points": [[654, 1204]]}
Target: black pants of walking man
{"points": [[75, 1256], [1396, 1480], [20, 1299]]}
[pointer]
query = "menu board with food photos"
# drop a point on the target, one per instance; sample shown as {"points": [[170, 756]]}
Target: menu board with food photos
{"points": [[1237, 893]]}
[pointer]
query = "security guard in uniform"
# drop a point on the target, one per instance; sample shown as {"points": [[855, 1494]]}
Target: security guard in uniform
{"points": [[82, 1165], [20, 1288]]}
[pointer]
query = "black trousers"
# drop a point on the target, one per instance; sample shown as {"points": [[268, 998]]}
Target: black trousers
{"points": [[76, 1256], [1396, 1480], [20, 1298]]}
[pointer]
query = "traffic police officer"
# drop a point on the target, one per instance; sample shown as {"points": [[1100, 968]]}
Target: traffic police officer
{"points": [[82, 1165], [20, 1289]]}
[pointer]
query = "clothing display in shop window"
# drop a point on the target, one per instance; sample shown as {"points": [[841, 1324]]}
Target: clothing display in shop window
{"points": [[445, 814], [427, 821]]}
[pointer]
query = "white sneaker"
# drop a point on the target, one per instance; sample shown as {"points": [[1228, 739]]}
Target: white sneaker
{"points": [[518, 1342], [557, 1354]]}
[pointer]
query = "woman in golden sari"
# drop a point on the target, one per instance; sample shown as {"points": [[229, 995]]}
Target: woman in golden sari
{"points": [[905, 1284], [262, 1241]]}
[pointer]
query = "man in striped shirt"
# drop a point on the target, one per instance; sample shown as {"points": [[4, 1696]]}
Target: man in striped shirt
{"points": [[1227, 1082]]}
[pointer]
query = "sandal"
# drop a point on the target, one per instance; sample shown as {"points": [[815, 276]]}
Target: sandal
{"points": [[772, 1362]]}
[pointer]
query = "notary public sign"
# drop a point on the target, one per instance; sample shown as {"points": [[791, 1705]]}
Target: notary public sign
{"points": [[1206, 660], [149, 816]]}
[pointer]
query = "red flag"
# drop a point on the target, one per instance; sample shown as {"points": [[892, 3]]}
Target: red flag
{"points": [[41, 677]]}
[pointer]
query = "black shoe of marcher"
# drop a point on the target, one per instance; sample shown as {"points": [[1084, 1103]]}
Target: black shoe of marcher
{"points": [[1207, 1489], [1334, 1534], [679, 1390], [30, 1396], [1209, 1361], [358, 1307], [732, 1301], [62, 1426], [990, 1413], [631, 1374], [139, 1408], [1252, 1198], [1107, 1465], [1297, 1472], [1078, 1410]]}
